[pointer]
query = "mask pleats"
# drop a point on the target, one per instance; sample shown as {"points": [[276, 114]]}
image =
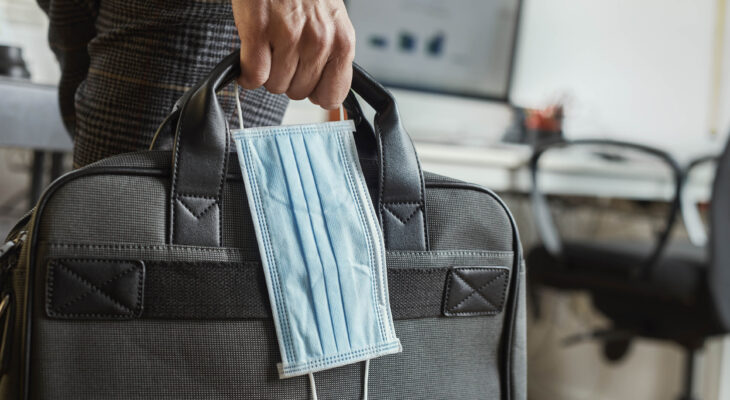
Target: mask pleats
{"points": [[321, 247]]}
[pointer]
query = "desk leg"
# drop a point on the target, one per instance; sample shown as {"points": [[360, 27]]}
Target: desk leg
{"points": [[36, 178], [56, 165]]}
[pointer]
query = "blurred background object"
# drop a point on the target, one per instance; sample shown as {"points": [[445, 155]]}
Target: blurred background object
{"points": [[536, 127], [12, 64], [465, 48], [33, 146]]}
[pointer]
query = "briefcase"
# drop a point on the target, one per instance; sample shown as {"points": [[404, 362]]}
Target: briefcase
{"points": [[139, 276]]}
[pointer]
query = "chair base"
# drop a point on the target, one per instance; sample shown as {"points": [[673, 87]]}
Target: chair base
{"points": [[689, 370]]}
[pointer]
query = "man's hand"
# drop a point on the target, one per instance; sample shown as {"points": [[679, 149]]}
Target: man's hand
{"points": [[303, 48]]}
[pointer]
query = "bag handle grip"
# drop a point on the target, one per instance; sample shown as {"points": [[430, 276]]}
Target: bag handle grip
{"points": [[200, 161]]}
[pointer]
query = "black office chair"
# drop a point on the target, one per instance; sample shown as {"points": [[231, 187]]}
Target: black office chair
{"points": [[664, 290]]}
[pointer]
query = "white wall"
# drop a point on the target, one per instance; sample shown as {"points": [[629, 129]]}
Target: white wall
{"points": [[637, 70], [723, 118]]}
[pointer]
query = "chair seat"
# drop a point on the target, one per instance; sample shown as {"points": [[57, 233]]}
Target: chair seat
{"points": [[677, 276], [670, 303]]}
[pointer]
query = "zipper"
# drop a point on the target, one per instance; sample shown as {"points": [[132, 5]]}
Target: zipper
{"points": [[8, 256], [15, 240], [18, 227], [12, 246], [9, 252]]}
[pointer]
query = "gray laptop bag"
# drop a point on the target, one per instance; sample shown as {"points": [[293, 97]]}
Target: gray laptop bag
{"points": [[138, 277]]}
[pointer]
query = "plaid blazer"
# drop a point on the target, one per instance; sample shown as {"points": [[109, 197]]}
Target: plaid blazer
{"points": [[124, 63]]}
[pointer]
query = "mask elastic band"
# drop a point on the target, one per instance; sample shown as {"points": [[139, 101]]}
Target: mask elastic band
{"points": [[312, 386], [342, 113], [239, 111], [365, 380]]}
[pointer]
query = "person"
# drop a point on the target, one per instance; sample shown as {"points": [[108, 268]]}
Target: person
{"points": [[124, 63]]}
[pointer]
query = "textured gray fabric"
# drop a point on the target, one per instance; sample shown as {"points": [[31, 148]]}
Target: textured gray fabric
{"points": [[236, 359], [238, 228], [484, 226], [449, 258], [124, 216], [435, 365], [395, 259], [126, 208], [144, 201], [141, 159]]}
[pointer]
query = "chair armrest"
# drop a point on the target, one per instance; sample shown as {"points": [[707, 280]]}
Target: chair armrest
{"points": [[546, 227], [690, 214]]}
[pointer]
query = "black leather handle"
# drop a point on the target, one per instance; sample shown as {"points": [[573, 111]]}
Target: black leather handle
{"points": [[401, 203], [200, 161], [200, 157]]}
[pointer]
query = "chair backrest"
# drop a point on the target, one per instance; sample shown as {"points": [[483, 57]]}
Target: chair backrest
{"points": [[719, 273]]}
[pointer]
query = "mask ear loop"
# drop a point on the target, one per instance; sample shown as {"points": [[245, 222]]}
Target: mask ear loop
{"points": [[365, 380], [312, 386], [342, 113], [239, 111]]}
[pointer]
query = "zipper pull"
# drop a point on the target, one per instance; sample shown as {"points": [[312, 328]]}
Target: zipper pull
{"points": [[12, 244]]}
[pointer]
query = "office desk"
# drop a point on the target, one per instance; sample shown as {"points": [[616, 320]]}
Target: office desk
{"points": [[30, 119], [504, 168]]}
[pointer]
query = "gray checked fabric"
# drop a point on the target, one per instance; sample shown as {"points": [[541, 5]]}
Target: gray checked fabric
{"points": [[124, 63]]}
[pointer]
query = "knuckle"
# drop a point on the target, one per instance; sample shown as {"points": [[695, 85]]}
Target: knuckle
{"points": [[288, 33], [346, 43], [318, 36], [322, 41]]}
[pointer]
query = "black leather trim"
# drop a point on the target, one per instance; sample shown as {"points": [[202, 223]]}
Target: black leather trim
{"points": [[94, 289], [212, 290], [401, 183], [364, 134], [200, 156], [472, 291], [200, 159]]}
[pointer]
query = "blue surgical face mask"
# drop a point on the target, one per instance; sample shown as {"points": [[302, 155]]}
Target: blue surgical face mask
{"points": [[320, 243]]}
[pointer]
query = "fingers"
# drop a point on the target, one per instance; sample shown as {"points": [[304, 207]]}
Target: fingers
{"points": [[303, 48], [284, 63], [336, 78], [285, 37], [315, 48], [251, 23], [255, 61]]}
